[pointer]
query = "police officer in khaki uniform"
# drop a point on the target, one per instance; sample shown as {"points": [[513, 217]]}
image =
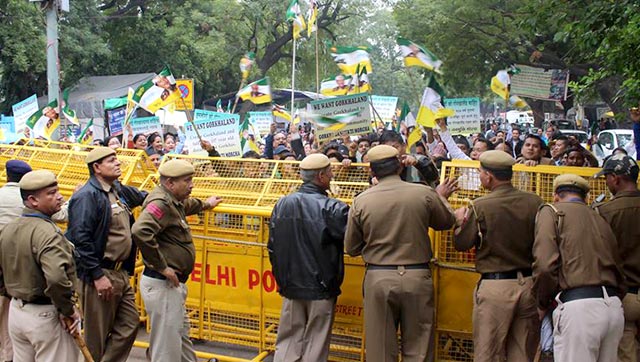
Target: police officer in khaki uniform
{"points": [[577, 264], [100, 228], [388, 225], [623, 213], [164, 238], [39, 273], [500, 226]]}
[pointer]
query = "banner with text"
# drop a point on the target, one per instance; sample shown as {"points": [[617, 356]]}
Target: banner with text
{"points": [[385, 106], [116, 119], [538, 83], [361, 124], [146, 125], [22, 111], [467, 118], [261, 121], [221, 129]]}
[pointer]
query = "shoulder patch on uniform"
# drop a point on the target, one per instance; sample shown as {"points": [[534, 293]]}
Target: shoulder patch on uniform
{"points": [[155, 210]]}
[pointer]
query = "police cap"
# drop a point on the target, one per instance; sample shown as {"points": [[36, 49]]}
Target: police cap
{"points": [[381, 152], [37, 180], [496, 160], [17, 167], [176, 168], [99, 153], [315, 161], [570, 180]]}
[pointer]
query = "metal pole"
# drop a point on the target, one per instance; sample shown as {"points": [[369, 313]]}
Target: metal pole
{"points": [[53, 65]]}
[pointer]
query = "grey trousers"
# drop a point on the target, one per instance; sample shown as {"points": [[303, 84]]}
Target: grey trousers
{"points": [[304, 332]]}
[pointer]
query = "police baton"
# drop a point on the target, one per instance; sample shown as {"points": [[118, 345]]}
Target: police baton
{"points": [[77, 337]]}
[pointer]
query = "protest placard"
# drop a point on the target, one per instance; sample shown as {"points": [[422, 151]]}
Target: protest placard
{"points": [[261, 121], [540, 83], [467, 118], [385, 106], [221, 129], [146, 125], [22, 111], [116, 119], [338, 106]]}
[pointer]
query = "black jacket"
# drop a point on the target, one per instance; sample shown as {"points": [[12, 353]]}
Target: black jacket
{"points": [[88, 227], [306, 243]]}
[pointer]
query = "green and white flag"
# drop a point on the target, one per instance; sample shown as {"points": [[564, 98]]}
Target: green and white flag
{"points": [[67, 112], [86, 136], [157, 93], [257, 92], [352, 59], [418, 56], [334, 122]]}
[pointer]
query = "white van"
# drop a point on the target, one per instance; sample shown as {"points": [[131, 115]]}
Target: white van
{"points": [[519, 117]]}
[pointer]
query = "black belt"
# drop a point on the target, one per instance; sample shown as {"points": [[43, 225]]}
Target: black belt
{"points": [[113, 265], [154, 274], [38, 301], [586, 292], [632, 290], [507, 275], [396, 267]]}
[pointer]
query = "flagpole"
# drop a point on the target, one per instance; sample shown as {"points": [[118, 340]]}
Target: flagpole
{"points": [[235, 103], [375, 113], [190, 119], [317, 67], [293, 75], [127, 119]]}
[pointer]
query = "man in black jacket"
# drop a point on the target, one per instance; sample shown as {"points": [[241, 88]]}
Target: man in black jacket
{"points": [[306, 252], [100, 228]]}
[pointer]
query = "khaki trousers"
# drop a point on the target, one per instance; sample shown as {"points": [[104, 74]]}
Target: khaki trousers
{"points": [[37, 334], [304, 332], [398, 297], [6, 351], [628, 349], [169, 340], [505, 321], [110, 326], [587, 330]]}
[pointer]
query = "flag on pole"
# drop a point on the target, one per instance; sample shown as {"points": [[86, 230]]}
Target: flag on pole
{"points": [[67, 112], [246, 129], [281, 112], [45, 121], [312, 16], [517, 102], [418, 56], [294, 15], [334, 122], [86, 136], [339, 85], [404, 112], [258, 92], [363, 84], [500, 84], [130, 108], [229, 106], [414, 136], [431, 108], [349, 58], [246, 63], [157, 93], [219, 106]]}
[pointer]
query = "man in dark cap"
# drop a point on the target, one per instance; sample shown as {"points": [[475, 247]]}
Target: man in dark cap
{"points": [[577, 264], [306, 253], [389, 226], [10, 209], [164, 238], [100, 228], [505, 319], [622, 213], [37, 270]]}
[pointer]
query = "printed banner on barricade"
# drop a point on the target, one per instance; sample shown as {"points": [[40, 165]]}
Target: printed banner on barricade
{"points": [[354, 111], [22, 111], [221, 129], [467, 117], [261, 121], [538, 83], [146, 125], [385, 106], [230, 277], [116, 119]]}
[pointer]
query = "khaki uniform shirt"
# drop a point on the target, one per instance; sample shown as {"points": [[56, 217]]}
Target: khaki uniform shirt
{"points": [[10, 203], [507, 219], [389, 223], [119, 240], [163, 234], [36, 261], [623, 214], [586, 253]]}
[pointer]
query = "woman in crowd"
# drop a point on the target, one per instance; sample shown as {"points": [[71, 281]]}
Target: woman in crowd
{"points": [[112, 142], [140, 142], [155, 141], [169, 143]]}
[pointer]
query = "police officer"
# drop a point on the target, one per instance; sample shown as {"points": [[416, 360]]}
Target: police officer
{"points": [[622, 213], [505, 319], [577, 264], [100, 227], [10, 208], [39, 273], [164, 238], [388, 225], [306, 251]]}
